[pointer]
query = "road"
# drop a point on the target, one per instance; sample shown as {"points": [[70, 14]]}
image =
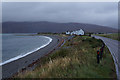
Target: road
{"points": [[113, 46]]}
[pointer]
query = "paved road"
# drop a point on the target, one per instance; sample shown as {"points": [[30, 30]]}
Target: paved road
{"points": [[113, 46]]}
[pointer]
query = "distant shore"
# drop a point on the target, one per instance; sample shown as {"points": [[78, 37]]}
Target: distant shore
{"points": [[30, 60]]}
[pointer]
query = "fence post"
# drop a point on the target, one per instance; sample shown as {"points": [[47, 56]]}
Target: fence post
{"points": [[101, 51]]}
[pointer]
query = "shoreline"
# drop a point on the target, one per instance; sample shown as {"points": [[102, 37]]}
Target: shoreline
{"points": [[21, 64], [21, 56]]}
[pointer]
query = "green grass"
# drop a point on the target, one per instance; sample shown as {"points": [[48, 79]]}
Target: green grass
{"points": [[115, 36], [77, 61]]}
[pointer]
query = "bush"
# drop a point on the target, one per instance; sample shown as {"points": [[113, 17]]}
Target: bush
{"points": [[93, 42]]}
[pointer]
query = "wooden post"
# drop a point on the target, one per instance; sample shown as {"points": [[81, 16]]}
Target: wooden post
{"points": [[101, 51]]}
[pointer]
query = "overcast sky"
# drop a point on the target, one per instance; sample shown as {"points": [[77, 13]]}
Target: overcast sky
{"points": [[104, 13]]}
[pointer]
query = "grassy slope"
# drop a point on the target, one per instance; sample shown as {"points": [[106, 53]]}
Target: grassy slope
{"points": [[77, 59], [114, 36]]}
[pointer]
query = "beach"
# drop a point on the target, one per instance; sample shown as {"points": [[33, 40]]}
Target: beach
{"points": [[23, 63]]}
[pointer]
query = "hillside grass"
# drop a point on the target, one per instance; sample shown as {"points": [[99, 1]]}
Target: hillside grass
{"points": [[115, 36], [76, 59]]}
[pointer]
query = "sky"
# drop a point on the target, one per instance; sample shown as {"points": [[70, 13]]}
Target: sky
{"points": [[101, 13]]}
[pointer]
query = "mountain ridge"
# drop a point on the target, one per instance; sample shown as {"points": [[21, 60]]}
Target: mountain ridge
{"points": [[46, 26]]}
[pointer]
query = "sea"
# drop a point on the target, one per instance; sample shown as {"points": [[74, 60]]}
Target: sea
{"points": [[15, 46]]}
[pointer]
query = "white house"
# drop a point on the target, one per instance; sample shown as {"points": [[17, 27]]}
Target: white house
{"points": [[80, 32], [67, 32], [77, 32]]}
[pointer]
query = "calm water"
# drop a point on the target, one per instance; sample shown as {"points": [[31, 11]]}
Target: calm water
{"points": [[14, 47]]}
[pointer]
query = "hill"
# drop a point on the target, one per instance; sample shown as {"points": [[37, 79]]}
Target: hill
{"points": [[44, 26]]}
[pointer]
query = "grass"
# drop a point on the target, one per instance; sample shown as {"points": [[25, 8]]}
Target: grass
{"points": [[77, 61], [114, 36]]}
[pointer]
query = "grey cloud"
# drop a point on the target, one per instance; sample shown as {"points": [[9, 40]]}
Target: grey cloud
{"points": [[104, 13]]}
